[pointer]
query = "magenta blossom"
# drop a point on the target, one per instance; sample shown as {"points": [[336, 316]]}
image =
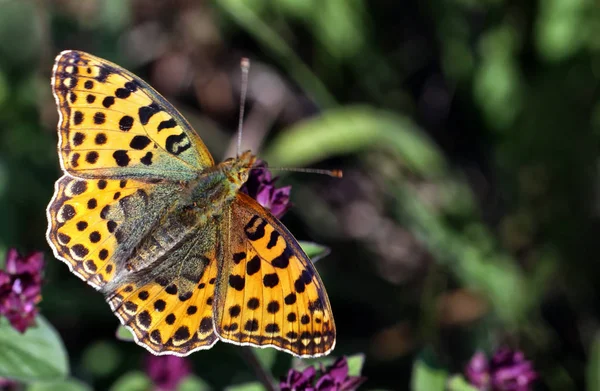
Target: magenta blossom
{"points": [[167, 372], [20, 288], [506, 371], [333, 378], [8, 385], [261, 187]]}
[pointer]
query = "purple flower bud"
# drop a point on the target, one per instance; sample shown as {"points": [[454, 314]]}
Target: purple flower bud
{"points": [[261, 186], [506, 371], [20, 288], [8, 385], [297, 380], [477, 371], [333, 378], [167, 371]]}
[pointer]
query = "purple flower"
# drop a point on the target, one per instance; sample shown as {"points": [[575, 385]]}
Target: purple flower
{"points": [[167, 372], [333, 378], [478, 371], [261, 186], [506, 371], [7, 384], [20, 288]]}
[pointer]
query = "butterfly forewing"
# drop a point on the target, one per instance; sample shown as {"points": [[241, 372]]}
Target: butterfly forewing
{"points": [[270, 293], [113, 124]]}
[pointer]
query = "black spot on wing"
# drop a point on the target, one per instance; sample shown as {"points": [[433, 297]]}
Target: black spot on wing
{"points": [[68, 212], [156, 337], [78, 118], [103, 73], [146, 112], [237, 282], [253, 303], [78, 138], [122, 93], [126, 123], [121, 158], [234, 311], [283, 260], [205, 325], [99, 118], [100, 139], [251, 325], [273, 239], [255, 229], [80, 250], [91, 157], [271, 280], [139, 142], [131, 86], [239, 257], [79, 187], [253, 266], [273, 307], [92, 203], [147, 159], [168, 124], [290, 299], [177, 143], [108, 101]]}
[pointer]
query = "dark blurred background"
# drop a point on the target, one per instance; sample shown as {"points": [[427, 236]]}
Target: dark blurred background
{"points": [[468, 216]]}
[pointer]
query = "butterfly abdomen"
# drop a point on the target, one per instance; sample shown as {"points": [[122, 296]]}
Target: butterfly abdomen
{"points": [[164, 238]]}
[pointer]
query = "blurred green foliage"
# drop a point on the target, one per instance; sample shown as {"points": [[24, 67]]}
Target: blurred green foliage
{"points": [[468, 132]]}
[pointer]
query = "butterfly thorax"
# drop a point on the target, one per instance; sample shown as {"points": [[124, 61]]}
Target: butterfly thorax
{"points": [[218, 185], [201, 201]]}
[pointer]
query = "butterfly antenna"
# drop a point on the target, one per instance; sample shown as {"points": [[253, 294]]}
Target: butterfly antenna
{"points": [[332, 173], [245, 66]]}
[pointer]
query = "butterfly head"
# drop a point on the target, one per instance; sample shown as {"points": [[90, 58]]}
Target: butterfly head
{"points": [[237, 169]]}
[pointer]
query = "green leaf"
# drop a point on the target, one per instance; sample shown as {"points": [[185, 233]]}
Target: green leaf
{"points": [[193, 383], [101, 358], [314, 251], [132, 381], [36, 355], [124, 334], [339, 26], [21, 32], [115, 14], [427, 376], [247, 15], [265, 356], [593, 366], [355, 364], [459, 383], [253, 386], [65, 385], [351, 130]]}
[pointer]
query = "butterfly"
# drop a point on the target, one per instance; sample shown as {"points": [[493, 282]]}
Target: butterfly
{"points": [[143, 214]]}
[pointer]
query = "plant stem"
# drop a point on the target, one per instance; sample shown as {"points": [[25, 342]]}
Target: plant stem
{"points": [[263, 375]]}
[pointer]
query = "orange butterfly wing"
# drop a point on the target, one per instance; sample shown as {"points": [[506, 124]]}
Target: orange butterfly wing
{"points": [[269, 293]]}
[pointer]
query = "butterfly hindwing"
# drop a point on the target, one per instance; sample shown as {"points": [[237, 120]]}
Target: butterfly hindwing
{"points": [[91, 220], [270, 293], [113, 124], [169, 308]]}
